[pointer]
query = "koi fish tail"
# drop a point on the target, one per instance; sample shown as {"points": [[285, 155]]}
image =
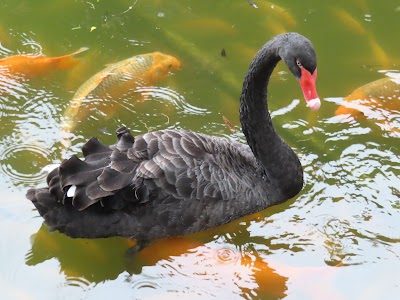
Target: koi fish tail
{"points": [[69, 60]]}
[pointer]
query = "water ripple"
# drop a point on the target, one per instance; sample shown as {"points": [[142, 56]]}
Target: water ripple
{"points": [[22, 163], [286, 109], [12, 85], [226, 255], [230, 272], [77, 281], [28, 41], [170, 96], [143, 284]]}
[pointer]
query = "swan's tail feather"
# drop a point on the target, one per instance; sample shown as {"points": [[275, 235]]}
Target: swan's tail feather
{"points": [[40, 198], [89, 223], [94, 147], [85, 194]]}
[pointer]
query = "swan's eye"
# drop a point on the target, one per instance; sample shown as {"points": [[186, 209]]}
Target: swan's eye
{"points": [[298, 63]]}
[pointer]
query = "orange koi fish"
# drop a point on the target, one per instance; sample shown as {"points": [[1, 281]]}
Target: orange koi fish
{"points": [[378, 53], [37, 65], [355, 25], [115, 81], [348, 20], [379, 100], [279, 12], [379, 94]]}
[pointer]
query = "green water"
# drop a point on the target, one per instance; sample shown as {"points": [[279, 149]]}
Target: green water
{"points": [[347, 215]]}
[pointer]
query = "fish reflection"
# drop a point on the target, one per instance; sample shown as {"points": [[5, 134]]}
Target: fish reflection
{"points": [[36, 65], [213, 267], [216, 268], [103, 90], [378, 100]]}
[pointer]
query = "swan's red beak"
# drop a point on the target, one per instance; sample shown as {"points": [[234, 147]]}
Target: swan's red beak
{"points": [[307, 83]]}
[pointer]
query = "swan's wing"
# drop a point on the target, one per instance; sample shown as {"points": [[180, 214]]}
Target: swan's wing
{"points": [[153, 168], [188, 165]]}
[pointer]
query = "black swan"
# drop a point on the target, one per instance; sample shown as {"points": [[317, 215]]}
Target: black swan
{"points": [[177, 182]]}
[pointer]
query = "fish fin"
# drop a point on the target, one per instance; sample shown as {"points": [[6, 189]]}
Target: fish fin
{"points": [[98, 80], [80, 50], [68, 60]]}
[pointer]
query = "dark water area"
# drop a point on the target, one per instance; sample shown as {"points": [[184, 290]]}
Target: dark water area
{"points": [[338, 239]]}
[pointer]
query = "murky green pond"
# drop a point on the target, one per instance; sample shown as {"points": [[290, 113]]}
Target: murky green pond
{"points": [[338, 239]]}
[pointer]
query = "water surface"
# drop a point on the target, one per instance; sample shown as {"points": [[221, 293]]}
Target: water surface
{"points": [[338, 239]]}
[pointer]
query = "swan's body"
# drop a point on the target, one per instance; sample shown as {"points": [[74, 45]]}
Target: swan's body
{"points": [[174, 182]]}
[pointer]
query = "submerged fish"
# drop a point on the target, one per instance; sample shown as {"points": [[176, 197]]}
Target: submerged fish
{"points": [[379, 53], [114, 81], [383, 93], [281, 13], [208, 26], [349, 21], [36, 65], [379, 100], [356, 26]]}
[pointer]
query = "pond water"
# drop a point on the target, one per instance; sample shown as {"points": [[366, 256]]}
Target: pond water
{"points": [[338, 239]]}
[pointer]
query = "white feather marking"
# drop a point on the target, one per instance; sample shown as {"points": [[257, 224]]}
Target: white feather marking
{"points": [[71, 191]]}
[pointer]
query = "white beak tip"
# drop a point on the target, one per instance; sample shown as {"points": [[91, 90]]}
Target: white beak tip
{"points": [[314, 104]]}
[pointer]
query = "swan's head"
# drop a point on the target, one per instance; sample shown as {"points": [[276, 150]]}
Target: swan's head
{"points": [[299, 55]]}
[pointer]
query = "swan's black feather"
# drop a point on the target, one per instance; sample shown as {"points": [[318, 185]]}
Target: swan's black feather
{"points": [[94, 146], [111, 180], [94, 191], [121, 163]]}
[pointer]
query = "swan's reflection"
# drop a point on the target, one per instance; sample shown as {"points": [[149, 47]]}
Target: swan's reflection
{"points": [[206, 265], [174, 262], [94, 260]]}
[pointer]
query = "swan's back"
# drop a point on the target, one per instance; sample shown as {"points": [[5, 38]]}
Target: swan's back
{"points": [[159, 184]]}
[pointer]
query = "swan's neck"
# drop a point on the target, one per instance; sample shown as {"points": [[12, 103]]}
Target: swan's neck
{"points": [[276, 159]]}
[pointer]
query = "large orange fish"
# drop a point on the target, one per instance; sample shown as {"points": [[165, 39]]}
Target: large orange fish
{"points": [[116, 80], [36, 65], [379, 94], [379, 100]]}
